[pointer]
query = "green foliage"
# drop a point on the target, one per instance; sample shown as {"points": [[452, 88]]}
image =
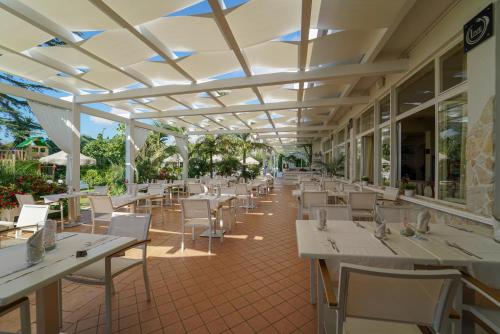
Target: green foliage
{"points": [[198, 167], [228, 166], [107, 151], [209, 146], [408, 186], [93, 177], [336, 167], [9, 172], [114, 178]]}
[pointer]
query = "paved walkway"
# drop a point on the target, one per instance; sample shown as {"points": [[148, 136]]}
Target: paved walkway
{"points": [[254, 282]]}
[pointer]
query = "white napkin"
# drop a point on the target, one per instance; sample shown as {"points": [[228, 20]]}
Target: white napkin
{"points": [[423, 219], [379, 219], [380, 231], [496, 230], [34, 248], [49, 234]]}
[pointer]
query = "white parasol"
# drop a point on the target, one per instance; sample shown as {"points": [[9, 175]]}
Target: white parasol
{"points": [[61, 159]]}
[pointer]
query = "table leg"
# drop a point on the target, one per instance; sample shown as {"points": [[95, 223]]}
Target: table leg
{"points": [[312, 279], [47, 309], [319, 304]]}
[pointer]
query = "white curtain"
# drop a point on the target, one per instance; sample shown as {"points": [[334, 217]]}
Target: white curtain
{"points": [[182, 146], [56, 122], [140, 136]]}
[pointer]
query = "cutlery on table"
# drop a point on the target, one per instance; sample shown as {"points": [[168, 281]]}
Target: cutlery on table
{"points": [[358, 224], [388, 247], [463, 250], [333, 244]]}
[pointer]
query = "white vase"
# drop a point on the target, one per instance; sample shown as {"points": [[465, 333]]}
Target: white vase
{"points": [[364, 183], [409, 192]]}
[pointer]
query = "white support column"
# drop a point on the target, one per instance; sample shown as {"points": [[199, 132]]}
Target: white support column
{"points": [[74, 164], [129, 153], [182, 146], [352, 157], [394, 139], [376, 143]]}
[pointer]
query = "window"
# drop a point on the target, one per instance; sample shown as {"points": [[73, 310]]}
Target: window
{"points": [[451, 142], [416, 90], [366, 120], [340, 160], [453, 68], [385, 109], [358, 159], [341, 136], [385, 156], [327, 145]]}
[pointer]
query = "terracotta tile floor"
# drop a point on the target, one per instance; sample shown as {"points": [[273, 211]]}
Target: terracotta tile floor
{"points": [[253, 281]]}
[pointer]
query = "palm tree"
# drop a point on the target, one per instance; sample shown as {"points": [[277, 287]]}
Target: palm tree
{"points": [[211, 145], [246, 145]]}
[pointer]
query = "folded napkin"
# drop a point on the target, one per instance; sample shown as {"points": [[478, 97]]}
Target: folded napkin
{"points": [[49, 234], [423, 219], [34, 248], [380, 231], [379, 218]]}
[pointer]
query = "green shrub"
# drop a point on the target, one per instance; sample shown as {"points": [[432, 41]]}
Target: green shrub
{"points": [[94, 177]]}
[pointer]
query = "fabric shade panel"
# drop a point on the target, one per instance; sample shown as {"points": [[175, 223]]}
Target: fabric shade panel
{"points": [[357, 14], [236, 96], [279, 55], [273, 94], [261, 21], [119, 47], [159, 73], [164, 103], [135, 12], [81, 15], [322, 91], [26, 36], [196, 100], [205, 65], [139, 140], [71, 57], [56, 122], [17, 65], [111, 79], [188, 33], [70, 84]]}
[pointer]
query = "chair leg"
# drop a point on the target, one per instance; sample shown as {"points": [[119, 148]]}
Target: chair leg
{"points": [[24, 310], [210, 242], [146, 281], [182, 237], [59, 298], [192, 232]]}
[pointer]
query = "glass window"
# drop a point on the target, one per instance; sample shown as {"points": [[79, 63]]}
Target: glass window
{"points": [[416, 90], [367, 120], [348, 160], [451, 142], [327, 145], [358, 159], [385, 109], [340, 160], [341, 136], [453, 68], [385, 156], [357, 123]]}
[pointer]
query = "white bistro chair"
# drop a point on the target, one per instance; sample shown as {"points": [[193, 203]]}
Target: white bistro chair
{"points": [[350, 187], [333, 212], [101, 190], [308, 198], [31, 219], [101, 209], [104, 271], [23, 304], [362, 204], [244, 194], [196, 188], [197, 213], [379, 301], [23, 199], [158, 192]]}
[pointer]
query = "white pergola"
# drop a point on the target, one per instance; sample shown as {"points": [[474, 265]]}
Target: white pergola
{"points": [[279, 69]]}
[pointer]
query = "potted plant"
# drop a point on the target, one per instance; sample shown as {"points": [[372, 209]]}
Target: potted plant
{"points": [[364, 180], [409, 189]]}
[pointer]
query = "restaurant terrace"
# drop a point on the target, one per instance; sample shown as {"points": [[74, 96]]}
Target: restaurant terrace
{"points": [[249, 166]]}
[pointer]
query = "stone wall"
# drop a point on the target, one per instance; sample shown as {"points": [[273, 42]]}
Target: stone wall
{"points": [[480, 163]]}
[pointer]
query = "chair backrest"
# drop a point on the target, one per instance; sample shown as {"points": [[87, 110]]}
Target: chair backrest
{"points": [[23, 199], [391, 194], [420, 297], [156, 189], [130, 225], [241, 189], [396, 214], [311, 187], [101, 204], [362, 200], [101, 190], [32, 214], [350, 187], [333, 212], [196, 188], [179, 182], [330, 185], [195, 208], [314, 197], [228, 190]]}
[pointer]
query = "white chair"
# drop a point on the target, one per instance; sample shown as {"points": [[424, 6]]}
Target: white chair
{"points": [[102, 209], [397, 214], [196, 212], [158, 192], [196, 188], [229, 214], [101, 190], [132, 189], [244, 194], [23, 199], [23, 304], [228, 190], [333, 212], [362, 204], [380, 301], [31, 219], [331, 185], [104, 271], [178, 186], [350, 187], [308, 198]]}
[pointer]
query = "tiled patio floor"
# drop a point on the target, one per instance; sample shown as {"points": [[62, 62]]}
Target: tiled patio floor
{"points": [[253, 282]]}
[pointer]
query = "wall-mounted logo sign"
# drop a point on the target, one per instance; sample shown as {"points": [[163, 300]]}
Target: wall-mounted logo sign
{"points": [[478, 29]]}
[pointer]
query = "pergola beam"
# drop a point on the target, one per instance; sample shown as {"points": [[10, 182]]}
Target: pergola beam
{"points": [[334, 72], [298, 135], [266, 130], [345, 101]]}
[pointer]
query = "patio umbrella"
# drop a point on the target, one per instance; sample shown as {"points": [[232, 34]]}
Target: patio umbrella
{"points": [[61, 159], [250, 161]]}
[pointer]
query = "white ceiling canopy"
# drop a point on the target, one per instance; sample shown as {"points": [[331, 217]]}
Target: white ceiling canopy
{"points": [[26, 36]]}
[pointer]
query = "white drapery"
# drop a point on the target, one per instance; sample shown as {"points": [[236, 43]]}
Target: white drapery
{"points": [[182, 146], [139, 140], [56, 122]]}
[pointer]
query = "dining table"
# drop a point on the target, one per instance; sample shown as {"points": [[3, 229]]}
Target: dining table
{"points": [[217, 202], [129, 200], [73, 211], [445, 245], [18, 279]]}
